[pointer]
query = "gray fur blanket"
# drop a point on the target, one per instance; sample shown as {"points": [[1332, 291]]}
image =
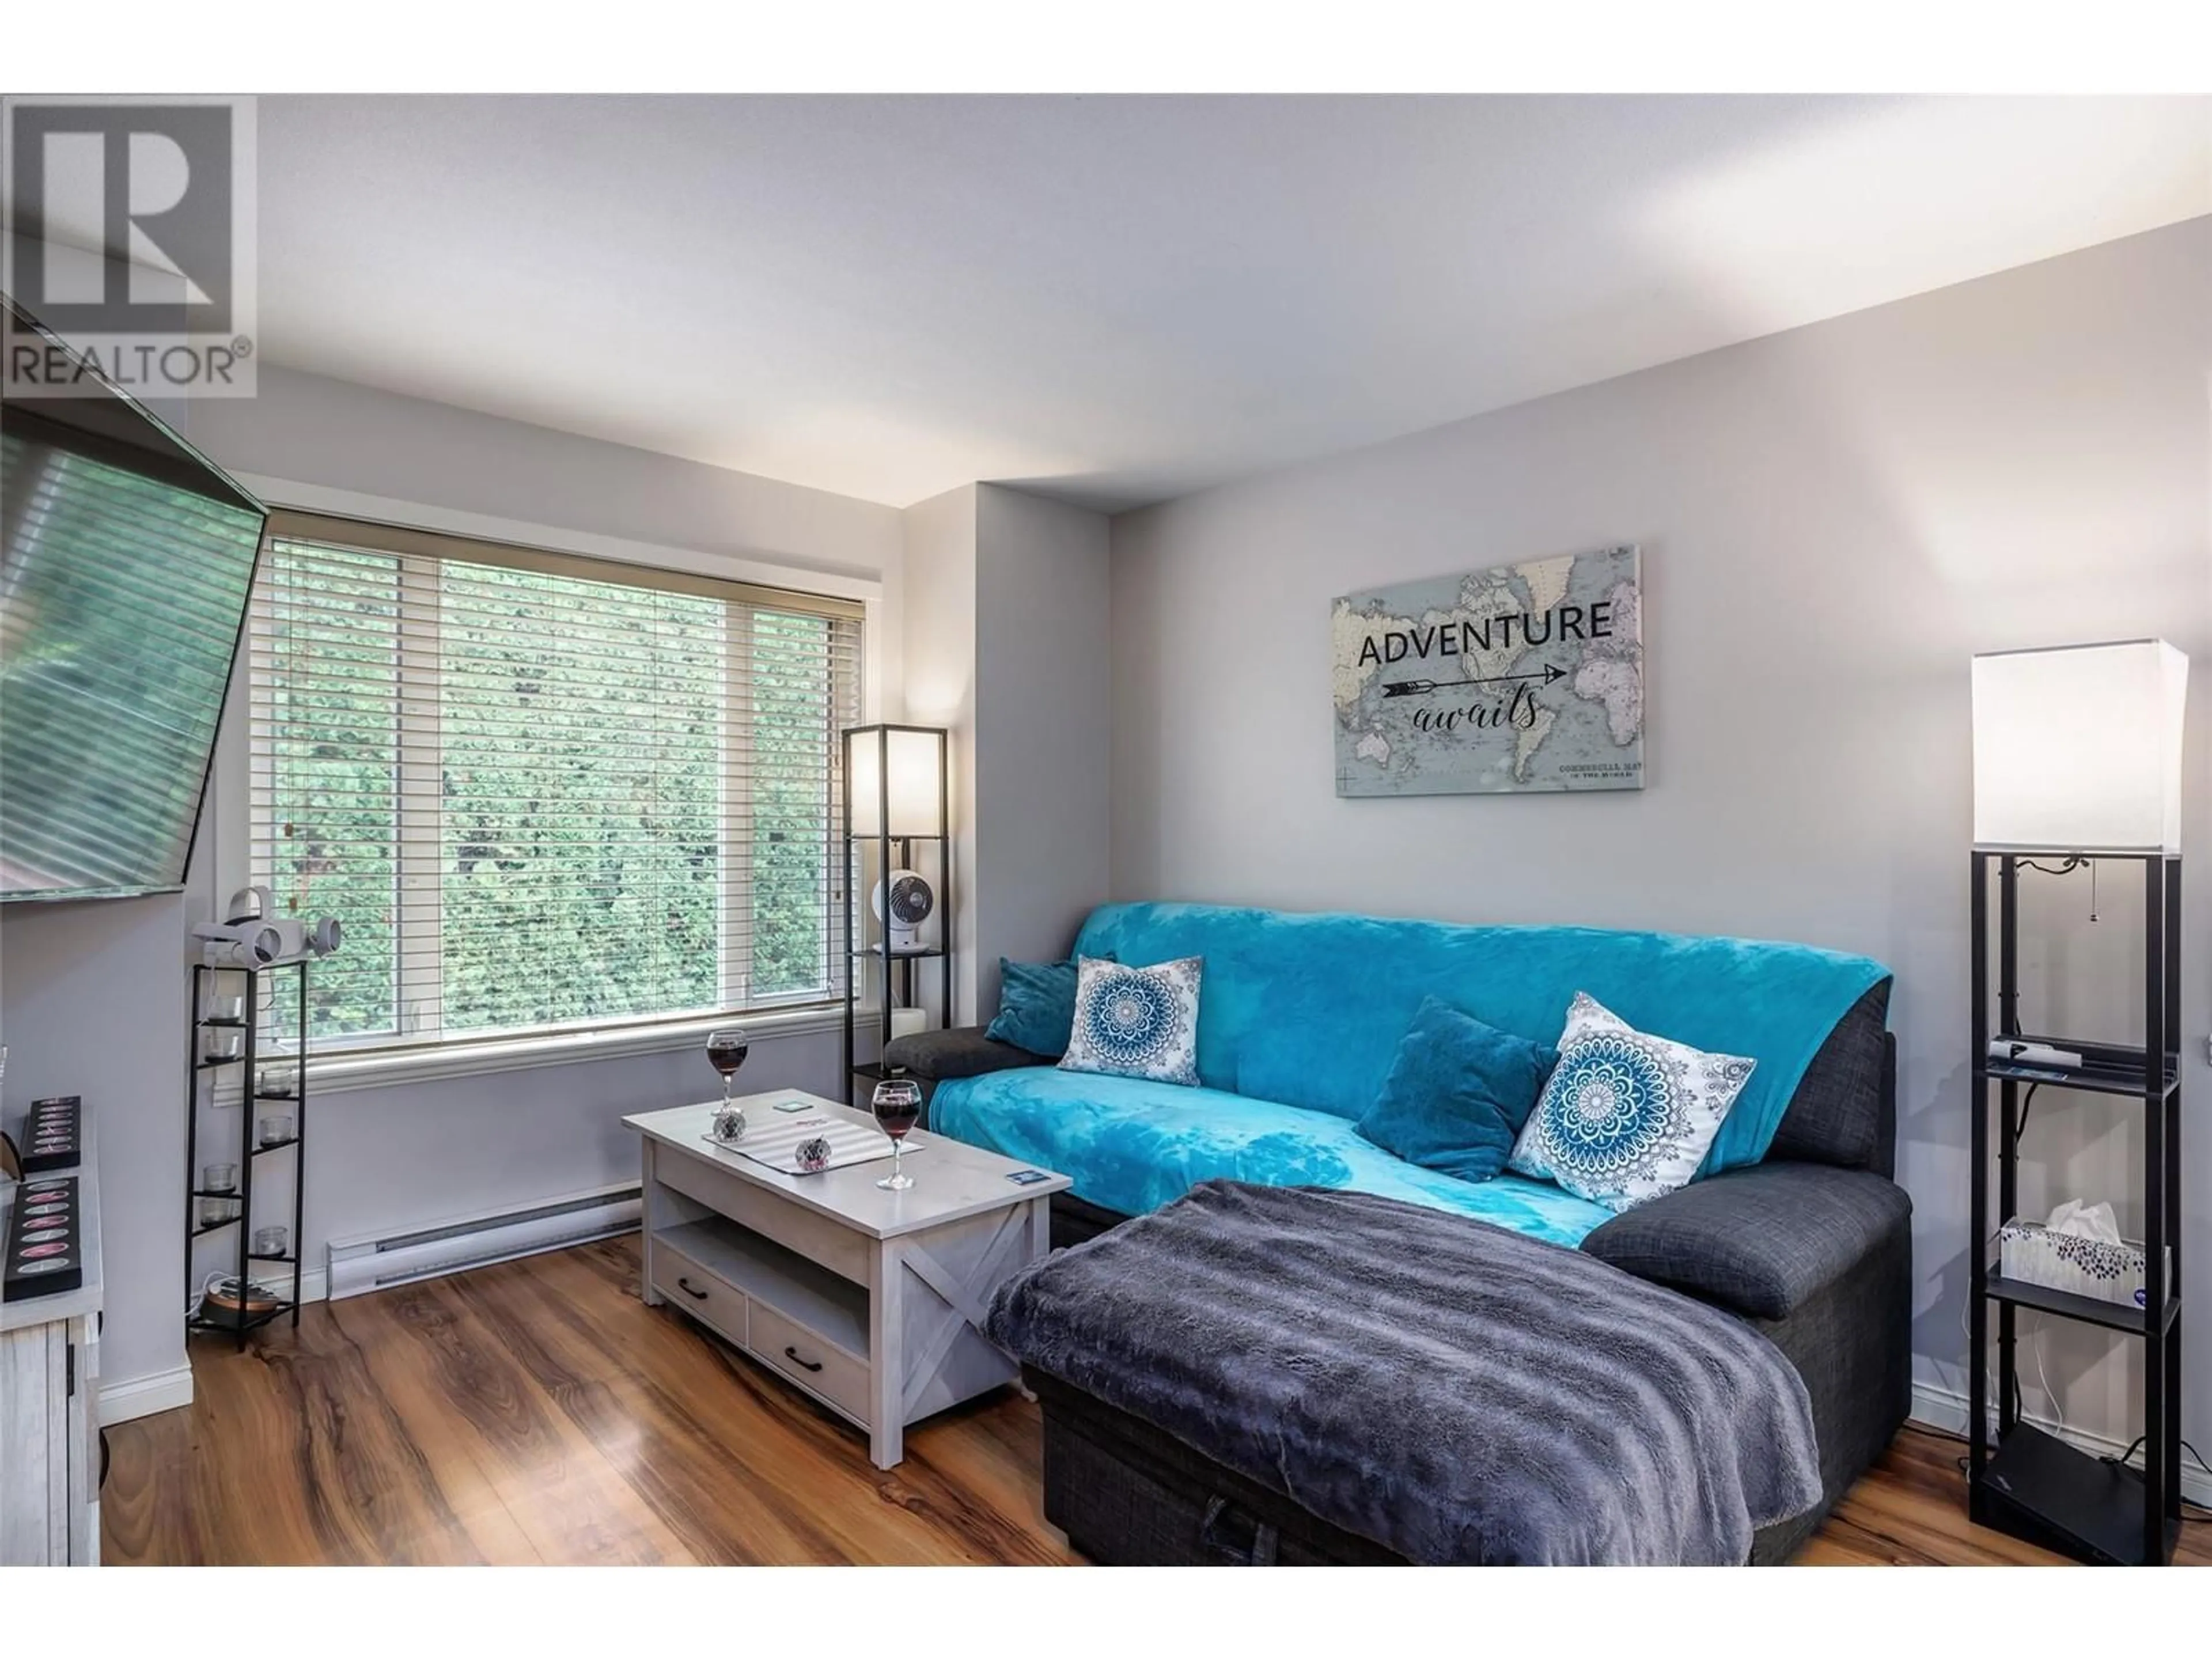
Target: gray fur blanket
{"points": [[1454, 1391]]}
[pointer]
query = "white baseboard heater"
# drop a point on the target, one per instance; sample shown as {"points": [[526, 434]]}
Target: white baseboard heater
{"points": [[362, 1265]]}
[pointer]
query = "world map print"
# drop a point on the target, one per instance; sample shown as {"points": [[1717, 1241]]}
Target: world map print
{"points": [[1520, 677]]}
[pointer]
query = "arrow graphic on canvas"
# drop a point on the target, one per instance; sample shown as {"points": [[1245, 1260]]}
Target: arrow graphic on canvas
{"points": [[1415, 688]]}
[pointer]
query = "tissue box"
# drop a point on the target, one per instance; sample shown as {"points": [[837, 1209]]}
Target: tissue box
{"points": [[2031, 1253]]}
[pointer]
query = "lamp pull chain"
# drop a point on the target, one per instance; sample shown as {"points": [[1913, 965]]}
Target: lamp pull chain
{"points": [[2093, 890]]}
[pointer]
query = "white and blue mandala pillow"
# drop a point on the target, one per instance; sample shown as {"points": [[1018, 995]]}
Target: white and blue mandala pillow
{"points": [[1626, 1117], [1136, 1021]]}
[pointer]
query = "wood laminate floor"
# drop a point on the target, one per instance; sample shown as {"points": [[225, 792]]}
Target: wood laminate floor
{"points": [[538, 1412]]}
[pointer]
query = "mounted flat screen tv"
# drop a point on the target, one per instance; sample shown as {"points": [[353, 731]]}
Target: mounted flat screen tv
{"points": [[126, 559]]}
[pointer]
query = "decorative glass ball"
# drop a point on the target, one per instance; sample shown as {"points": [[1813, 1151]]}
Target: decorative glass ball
{"points": [[729, 1123], [813, 1155]]}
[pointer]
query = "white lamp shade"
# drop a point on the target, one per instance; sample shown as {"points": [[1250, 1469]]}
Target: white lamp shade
{"points": [[917, 776], [2078, 749]]}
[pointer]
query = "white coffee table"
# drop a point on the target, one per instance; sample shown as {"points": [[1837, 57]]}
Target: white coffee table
{"points": [[870, 1302]]}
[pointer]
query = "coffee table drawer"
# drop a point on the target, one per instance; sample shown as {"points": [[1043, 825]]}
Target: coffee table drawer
{"points": [[790, 1348], [707, 1296]]}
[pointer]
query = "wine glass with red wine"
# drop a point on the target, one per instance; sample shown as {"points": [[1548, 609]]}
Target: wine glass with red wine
{"points": [[726, 1052], [897, 1104]]}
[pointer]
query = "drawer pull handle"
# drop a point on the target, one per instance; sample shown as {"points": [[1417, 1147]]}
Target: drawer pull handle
{"points": [[684, 1286], [792, 1354]]}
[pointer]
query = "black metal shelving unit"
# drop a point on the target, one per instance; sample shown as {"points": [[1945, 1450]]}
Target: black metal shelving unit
{"points": [[2030, 1483], [260, 994], [901, 981]]}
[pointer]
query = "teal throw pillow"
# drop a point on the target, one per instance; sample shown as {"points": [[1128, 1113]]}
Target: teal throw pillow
{"points": [[1458, 1093], [1037, 1005]]}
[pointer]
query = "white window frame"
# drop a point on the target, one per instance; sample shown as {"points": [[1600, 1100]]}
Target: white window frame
{"points": [[388, 1061]]}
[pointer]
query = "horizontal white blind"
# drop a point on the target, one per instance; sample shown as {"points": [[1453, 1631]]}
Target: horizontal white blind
{"points": [[541, 792]]}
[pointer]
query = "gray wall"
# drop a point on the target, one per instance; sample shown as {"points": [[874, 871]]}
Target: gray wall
{"points": [[1833, 521], [940, 574], [1043, 684], [91, 997], [1006, 613], [310, 429]]}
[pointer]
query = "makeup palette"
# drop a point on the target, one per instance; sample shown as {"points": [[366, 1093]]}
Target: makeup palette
{"points": [[53, 1135], [44, 1252]]}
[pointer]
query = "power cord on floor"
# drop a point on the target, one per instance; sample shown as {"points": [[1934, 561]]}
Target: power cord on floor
{"points": [[2135, 1445], [2195, 1456]]}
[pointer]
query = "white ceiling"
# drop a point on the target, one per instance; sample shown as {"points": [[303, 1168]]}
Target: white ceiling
{"points": [[1121, 300]]}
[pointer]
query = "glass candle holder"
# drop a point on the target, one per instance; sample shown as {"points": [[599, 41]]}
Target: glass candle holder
{"points": [[223, 1045], [227, 1006], [269, 1241], [216, 1210], [277, 1127], [281, 1079], [218, 1177]]}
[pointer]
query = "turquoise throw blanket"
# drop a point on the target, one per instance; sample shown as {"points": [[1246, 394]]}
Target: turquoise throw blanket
{"points": [[1308, 1010], [1132, 1144]]}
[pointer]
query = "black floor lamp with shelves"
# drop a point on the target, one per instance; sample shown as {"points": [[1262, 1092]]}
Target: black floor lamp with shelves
{"points": [[898, 821], [2076, 755]]}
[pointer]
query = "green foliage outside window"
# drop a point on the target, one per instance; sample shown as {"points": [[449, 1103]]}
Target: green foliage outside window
{"points": [[329, 668], [594, 795], [791, 833]]}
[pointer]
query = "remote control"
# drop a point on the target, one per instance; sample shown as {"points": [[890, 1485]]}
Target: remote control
{"points": [[2033, 1054]]}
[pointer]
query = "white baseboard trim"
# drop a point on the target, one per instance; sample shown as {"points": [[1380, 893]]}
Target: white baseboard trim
{"points": [[141, 1396], [1940, 1409]]}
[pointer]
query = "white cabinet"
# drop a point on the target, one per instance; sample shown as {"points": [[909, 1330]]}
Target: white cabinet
{"points": [[50, 1443], [49, 1410]]}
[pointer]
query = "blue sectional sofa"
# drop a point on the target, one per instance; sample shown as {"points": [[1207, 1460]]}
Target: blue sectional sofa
{"points": [[1793, 1224]]}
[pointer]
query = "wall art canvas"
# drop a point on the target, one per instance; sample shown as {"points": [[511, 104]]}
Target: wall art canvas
{"points": [[1522, 677]]}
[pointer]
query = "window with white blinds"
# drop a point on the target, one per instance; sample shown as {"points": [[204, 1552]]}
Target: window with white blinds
{"points": [[543, 791]]}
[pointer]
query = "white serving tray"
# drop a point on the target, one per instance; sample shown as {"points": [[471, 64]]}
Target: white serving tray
{"points": [[774, 1143]]}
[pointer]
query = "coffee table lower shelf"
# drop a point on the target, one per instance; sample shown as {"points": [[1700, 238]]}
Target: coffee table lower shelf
{"points": [[802, 1322]]}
